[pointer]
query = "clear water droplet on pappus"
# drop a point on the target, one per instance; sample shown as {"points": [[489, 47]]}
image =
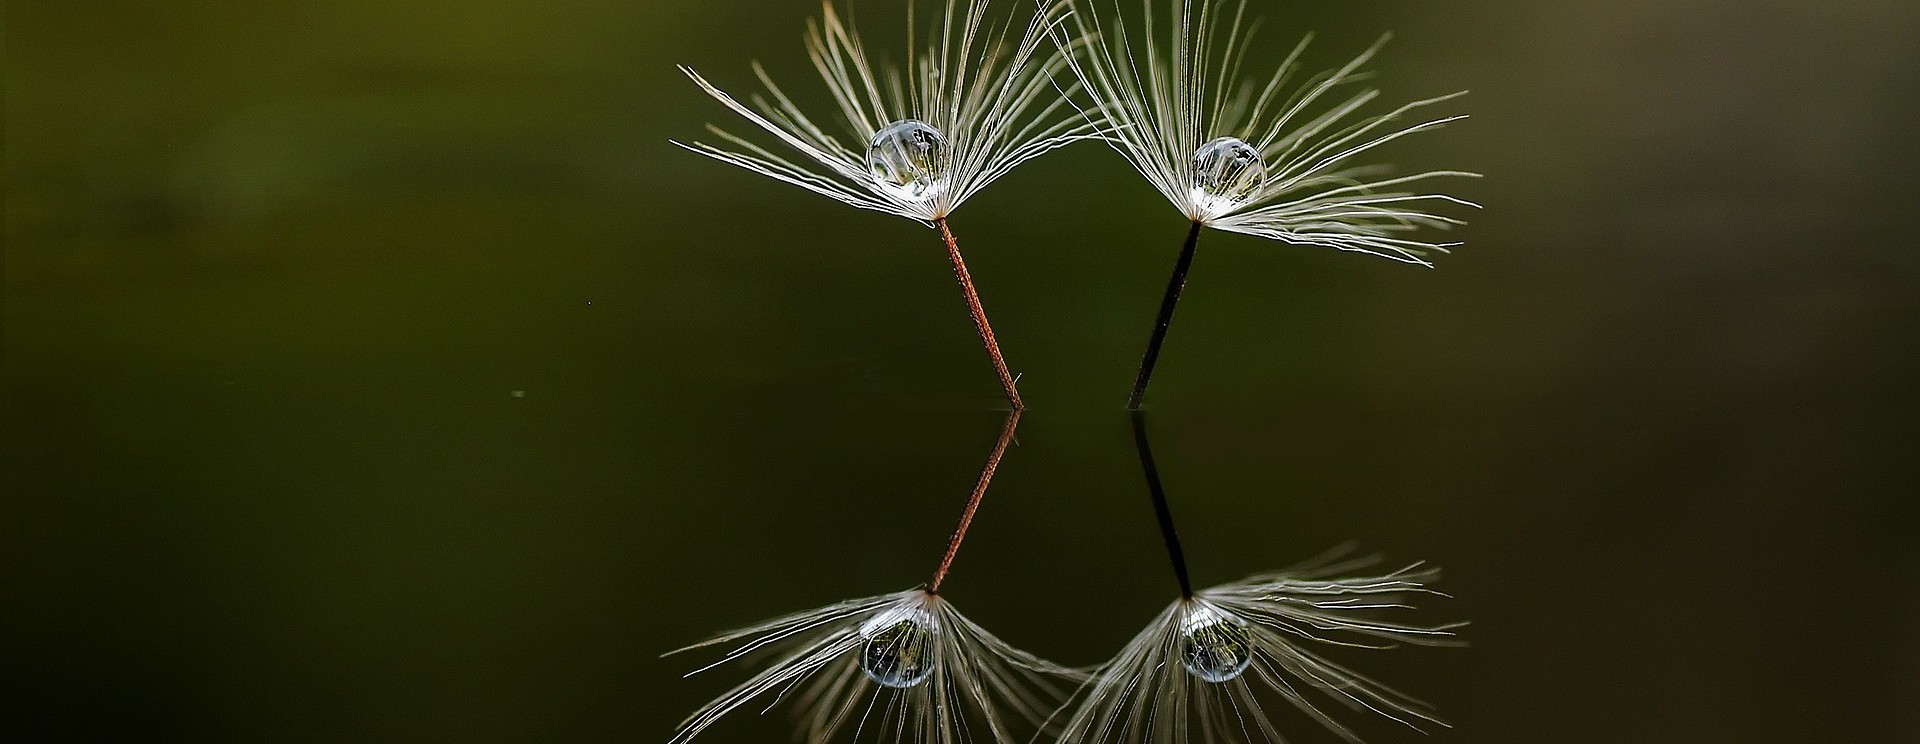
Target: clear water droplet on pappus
{"points": [[1215, 646], [910, 158], [1227, 171], [898, 651]]}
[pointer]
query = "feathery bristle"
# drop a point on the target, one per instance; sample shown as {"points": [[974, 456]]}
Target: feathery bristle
{"points": [[1157, 105], [938, 679], [996, 104], [1199, 672]]}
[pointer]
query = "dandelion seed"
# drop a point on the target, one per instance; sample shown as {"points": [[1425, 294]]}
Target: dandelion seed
{"points": [[906, 666], [1237, 155], [974, 105], [1200, 670]]}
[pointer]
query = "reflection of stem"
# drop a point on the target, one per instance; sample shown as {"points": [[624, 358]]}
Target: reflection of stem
{"points": [[979, 315], [1174, 284], [973, 502], [1160, 509]]}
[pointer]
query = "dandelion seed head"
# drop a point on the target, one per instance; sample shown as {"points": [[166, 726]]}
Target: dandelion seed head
{"points": [[1163, 90], [904, 667], [1211, 667], [979, 99]]}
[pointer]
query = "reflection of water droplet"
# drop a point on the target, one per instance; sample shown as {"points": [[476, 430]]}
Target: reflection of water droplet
{"points": [[1226, 172], [1215, 646], [910, 156], [899, 648]]}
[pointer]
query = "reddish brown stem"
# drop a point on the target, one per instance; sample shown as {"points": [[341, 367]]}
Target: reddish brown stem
{"points": [[979, 315], [973, 502]]}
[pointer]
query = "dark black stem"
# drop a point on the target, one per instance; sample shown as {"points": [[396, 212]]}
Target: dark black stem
{"points": [[1174, 284], [1161, 511]]}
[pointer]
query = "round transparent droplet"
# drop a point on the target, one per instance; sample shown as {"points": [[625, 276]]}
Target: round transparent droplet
{"points": [[1215, 646], [898, 651], [1227, 171], [909, 157]]}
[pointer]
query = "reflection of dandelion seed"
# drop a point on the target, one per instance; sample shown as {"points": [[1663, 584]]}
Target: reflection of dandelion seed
{"points": [[932, 133], [927, 672], [1195, 672], [909, 657], [1247, 158]]}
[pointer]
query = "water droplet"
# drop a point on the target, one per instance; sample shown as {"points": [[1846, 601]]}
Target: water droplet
{"points": [[910, 157], [1226, 172], [899, 648], [1215, 646]]}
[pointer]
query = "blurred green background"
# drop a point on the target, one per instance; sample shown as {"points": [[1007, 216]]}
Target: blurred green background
{"points": [[376, 371]]}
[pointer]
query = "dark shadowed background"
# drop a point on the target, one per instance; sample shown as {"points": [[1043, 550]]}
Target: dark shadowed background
{"points": [[376, 371]]}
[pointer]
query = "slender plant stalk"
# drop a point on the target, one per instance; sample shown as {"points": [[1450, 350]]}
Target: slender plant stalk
{"points": [[1161, 511], [1174, 284], [973, 501], [979, 315]]}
